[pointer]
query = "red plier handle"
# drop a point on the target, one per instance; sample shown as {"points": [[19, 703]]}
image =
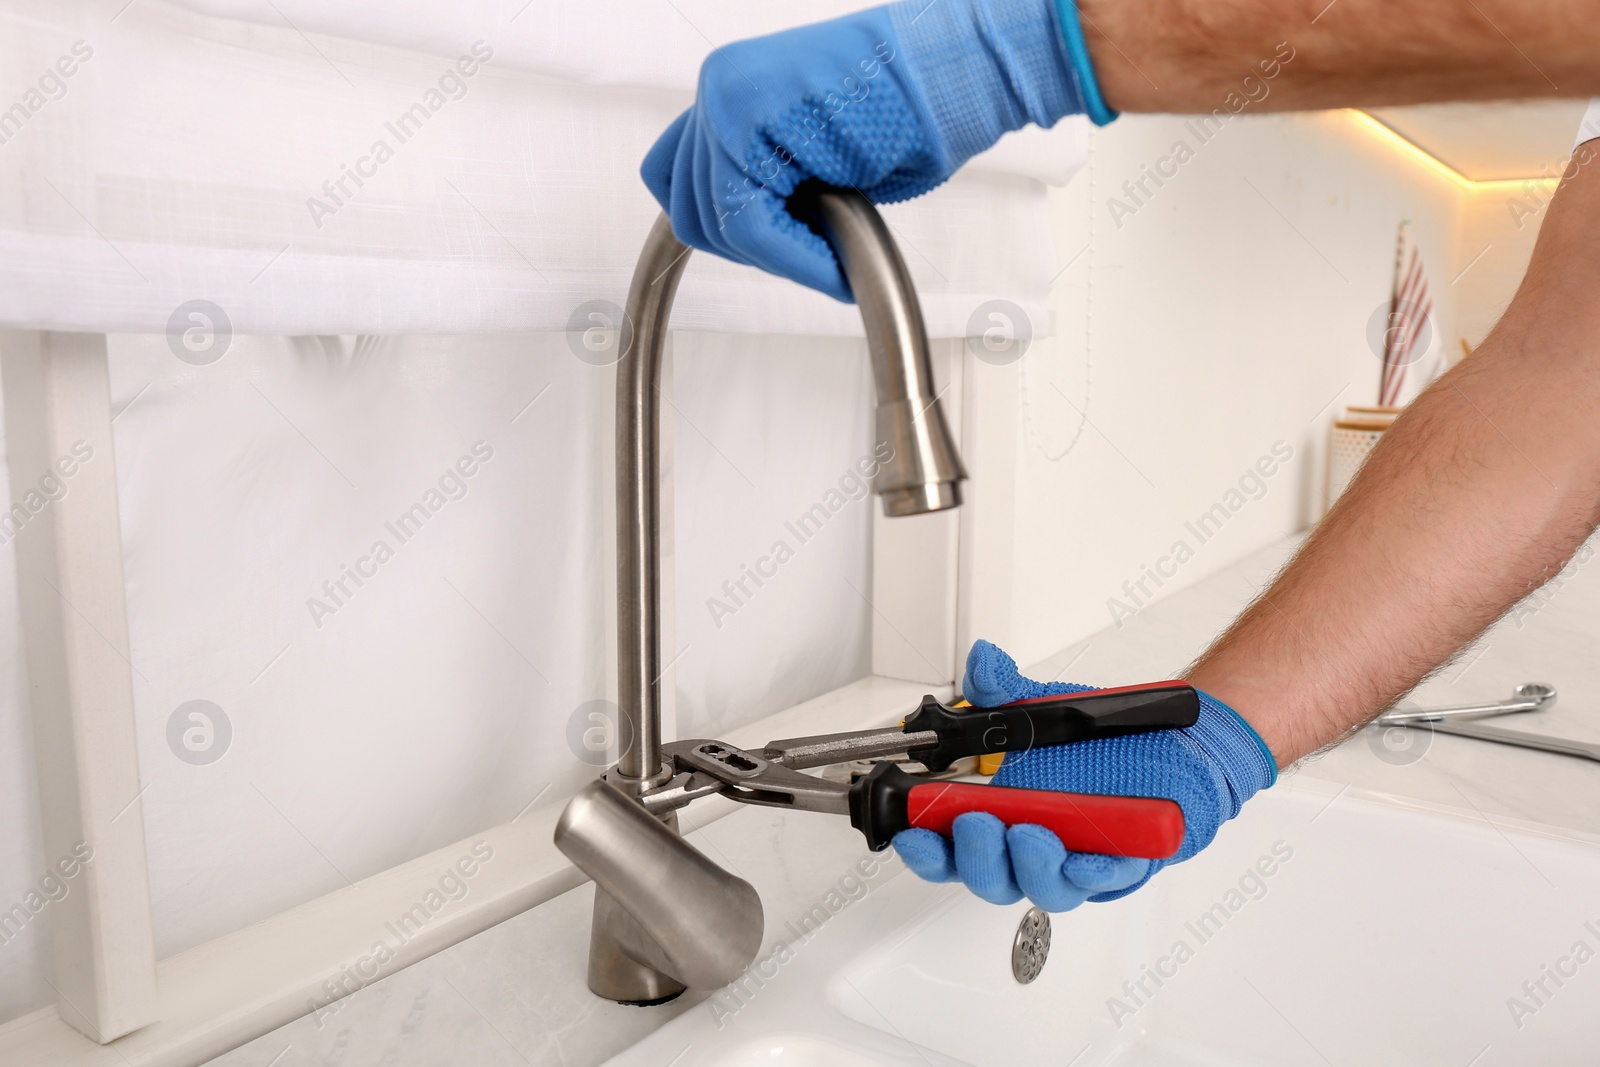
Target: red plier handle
{"points": [[889, 800]]}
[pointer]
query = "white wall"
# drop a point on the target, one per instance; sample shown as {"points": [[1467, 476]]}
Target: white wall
{"points": [[433, 700], [765, 428], [1226, 314], [1499, 224]]}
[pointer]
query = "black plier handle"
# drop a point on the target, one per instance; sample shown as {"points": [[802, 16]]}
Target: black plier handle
{"points": [[936, 735], [1049, 720]]}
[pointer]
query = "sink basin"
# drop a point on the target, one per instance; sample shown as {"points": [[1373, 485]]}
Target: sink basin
{"points": [[794, 1050], [1323, 927]]}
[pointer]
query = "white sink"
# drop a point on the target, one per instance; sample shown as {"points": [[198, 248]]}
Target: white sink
{"points": [[1342, 930]]}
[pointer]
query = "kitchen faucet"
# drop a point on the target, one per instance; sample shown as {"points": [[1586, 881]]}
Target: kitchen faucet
{"points": [[923, 474], [665, 916]]}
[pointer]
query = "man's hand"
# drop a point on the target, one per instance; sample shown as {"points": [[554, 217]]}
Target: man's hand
{"points": [[1187, 56], [1475, 497], [890, 101], [1209, 769]]}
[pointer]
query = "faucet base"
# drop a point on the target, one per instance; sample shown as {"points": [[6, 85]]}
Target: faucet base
{"points": [[615, 975]]}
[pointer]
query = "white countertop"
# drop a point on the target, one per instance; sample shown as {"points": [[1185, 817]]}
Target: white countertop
{"points": [[515, 994]]}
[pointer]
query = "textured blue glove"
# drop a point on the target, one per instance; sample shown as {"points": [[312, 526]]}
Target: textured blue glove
{"points": [[889, 101], [1210, 769]]}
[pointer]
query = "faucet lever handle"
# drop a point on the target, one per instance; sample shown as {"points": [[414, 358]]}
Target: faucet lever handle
{"points": [[690, 919]]}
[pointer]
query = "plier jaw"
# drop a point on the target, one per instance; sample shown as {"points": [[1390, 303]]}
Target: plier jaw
{"points": [[753, 779], [887, 800]]}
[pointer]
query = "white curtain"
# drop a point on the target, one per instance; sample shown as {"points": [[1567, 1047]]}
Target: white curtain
{"points": [[333, 168]]}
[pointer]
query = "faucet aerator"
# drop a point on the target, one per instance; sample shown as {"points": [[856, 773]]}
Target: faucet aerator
{"points": [[921, 499]]}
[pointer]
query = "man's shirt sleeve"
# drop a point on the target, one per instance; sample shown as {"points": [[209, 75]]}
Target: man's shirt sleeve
{"points": [[1589, 128]]}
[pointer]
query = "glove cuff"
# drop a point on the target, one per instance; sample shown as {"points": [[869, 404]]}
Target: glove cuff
{"points": [[987, 67], [1244, 758], [1099, 112]]}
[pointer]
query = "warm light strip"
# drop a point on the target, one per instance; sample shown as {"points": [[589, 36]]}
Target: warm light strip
{"points": [[1410, 148]]}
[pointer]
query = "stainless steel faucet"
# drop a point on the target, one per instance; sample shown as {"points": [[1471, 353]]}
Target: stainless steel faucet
{"points": [[633, 939]]}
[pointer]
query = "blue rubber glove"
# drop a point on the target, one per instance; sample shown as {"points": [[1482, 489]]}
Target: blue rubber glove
{"points": [[890, 101], [1210, 769]]}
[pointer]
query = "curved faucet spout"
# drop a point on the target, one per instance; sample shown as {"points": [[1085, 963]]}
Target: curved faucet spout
{"points": [[924, 472], [921, 473]]}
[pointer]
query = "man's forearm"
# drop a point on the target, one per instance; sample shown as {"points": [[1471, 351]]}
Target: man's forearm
{"points": [[1187, 55], [1477, 495]]}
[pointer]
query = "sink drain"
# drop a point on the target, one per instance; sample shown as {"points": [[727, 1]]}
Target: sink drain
{"points": [[1031, 947]]}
